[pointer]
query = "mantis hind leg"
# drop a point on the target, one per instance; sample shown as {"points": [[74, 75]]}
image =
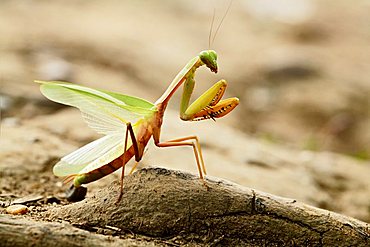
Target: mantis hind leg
{"points": [[209, 105], [78, 192], [138, 155]]}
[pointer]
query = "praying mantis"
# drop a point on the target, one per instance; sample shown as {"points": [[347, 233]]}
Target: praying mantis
{"points": [[128, 123]]}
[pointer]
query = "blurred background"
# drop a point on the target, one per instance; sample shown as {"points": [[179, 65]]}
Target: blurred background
{"points": [[301, 68]]}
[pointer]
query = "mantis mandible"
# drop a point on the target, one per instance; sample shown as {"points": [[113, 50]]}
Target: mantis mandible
{"points": [[128, 122]]}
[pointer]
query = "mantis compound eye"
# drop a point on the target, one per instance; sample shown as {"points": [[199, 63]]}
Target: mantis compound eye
{"points": [[209, 58]]}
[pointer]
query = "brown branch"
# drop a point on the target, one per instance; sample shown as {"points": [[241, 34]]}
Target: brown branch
{"points": [[170, 207], [18, 231], [168, 204]]}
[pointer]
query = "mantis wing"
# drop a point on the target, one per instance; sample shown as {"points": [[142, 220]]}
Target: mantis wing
{"points": [[105, 112], [91, 156]]}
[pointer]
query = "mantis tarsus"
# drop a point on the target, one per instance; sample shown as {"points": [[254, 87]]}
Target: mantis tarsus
{"points": [[128, 122]]}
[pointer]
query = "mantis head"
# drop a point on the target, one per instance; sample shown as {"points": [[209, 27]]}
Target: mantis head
{"points": [[209, 58]]}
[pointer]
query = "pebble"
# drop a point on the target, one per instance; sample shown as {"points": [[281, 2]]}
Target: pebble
{"points": [[17, 209]]}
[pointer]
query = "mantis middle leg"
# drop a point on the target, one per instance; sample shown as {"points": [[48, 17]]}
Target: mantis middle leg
{"points": [[186, 141]]}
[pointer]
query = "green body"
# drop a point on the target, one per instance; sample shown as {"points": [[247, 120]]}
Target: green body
{"points": [[109, 113]]}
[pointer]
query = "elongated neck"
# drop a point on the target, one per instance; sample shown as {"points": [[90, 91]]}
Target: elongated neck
{"points": [[189, 68]]}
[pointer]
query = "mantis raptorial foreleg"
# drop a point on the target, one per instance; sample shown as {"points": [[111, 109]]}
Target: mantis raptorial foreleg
{"points": [[208, 105]]}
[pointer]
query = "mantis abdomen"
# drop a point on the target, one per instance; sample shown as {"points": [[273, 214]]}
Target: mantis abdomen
{"points": [[104, 170]]}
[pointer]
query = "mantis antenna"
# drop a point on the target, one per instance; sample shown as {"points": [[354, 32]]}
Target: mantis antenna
{"points": [[211, 29], [219, 25]]}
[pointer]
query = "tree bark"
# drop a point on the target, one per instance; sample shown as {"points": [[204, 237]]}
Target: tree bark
{"points": [[19, 231], [164, 204]]}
